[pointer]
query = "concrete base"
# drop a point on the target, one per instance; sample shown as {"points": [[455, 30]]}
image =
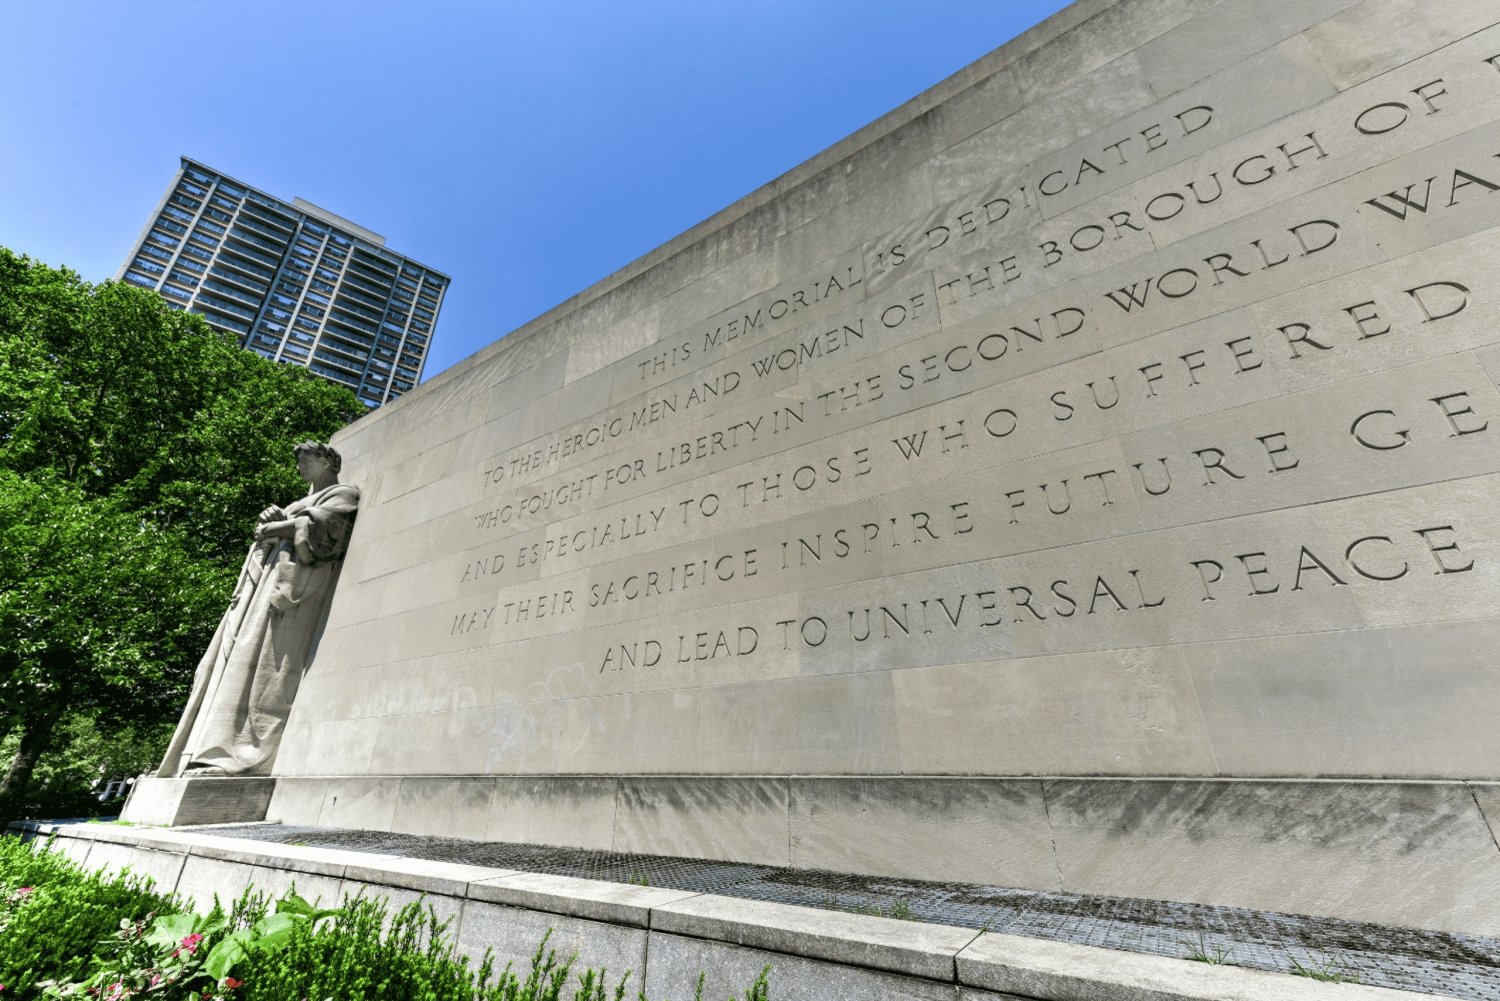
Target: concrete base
{"points": [[177, 802], [1413, 854], [668, 937]]}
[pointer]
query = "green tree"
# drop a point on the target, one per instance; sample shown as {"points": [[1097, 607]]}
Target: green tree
{"points": [[136, 447]]}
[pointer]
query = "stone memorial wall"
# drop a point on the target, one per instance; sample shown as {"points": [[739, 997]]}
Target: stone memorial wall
{"points": [[1084, 478]]}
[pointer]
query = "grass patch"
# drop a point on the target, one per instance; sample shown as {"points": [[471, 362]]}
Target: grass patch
{"points": [[1325, 969], [1214, 956]]}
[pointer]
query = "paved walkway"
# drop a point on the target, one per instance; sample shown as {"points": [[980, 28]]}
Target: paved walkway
{"points": [[1461, 966]]}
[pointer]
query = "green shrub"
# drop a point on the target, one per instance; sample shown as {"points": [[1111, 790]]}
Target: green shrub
{"points": [[54, 919]]}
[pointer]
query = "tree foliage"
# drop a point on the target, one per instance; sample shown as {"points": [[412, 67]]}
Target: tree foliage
{"points": [[136, 447]]}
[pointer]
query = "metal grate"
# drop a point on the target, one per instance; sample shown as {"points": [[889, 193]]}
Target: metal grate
{"points": [[1460, 966]]}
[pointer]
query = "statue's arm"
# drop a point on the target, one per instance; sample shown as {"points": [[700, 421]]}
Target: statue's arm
{"points": [[275, 530], [322, 531]]}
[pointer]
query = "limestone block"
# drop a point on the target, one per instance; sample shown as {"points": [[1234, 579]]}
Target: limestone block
{"points": [[454, 808], [296, 801], [361, 803], [677, 961], [415, 875], [1112, 33], [1443, 192], [1265, 702], [1224, 33], [1036, 968], [437, 909], [344, 747], [1103, 96], [615, 903], [1377, 35], [1298, 450], [912, 948], [984, 831], [178, 802], [276, 882], [1487, 795], [77, 849], [1489, 357], [1131, 712], [1393, 853], [486, 739], [1304, 240], [513, 935], [820, 723], [293, 860], [204, 880], [633, 333], [162, 868], [1380, 318], [739, 818], [575, 812], [1262, 88]]}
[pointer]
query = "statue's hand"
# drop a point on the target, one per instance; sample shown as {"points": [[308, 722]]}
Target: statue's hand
{"points": [[274, 530], [272, 513]]}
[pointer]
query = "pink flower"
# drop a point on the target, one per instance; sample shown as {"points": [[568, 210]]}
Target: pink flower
{"points": [[25, 890], [190, 944]]}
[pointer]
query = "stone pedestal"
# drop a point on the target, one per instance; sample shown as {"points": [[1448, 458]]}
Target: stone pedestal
{"points": [[179, 802]]}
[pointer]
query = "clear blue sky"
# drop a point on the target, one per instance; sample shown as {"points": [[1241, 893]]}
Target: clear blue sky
{"points": [[526, 149]]}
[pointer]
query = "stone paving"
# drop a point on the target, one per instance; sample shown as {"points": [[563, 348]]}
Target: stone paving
{"points": [[1460, 966]]}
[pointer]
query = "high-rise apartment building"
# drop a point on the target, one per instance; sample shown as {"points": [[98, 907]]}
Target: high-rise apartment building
{"points": [[294, 282]]}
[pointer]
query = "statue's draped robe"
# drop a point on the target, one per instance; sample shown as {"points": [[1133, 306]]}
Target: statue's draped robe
{"points": [[243, 690]]}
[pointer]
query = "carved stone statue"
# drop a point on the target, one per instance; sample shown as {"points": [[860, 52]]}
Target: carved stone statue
{"points": [[245, 683]]}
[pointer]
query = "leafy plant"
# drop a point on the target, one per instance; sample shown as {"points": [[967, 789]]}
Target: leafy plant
{"points": [[57, 922]]}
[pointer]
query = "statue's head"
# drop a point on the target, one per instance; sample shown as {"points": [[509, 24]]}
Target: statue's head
{"points": [[319, 450]]}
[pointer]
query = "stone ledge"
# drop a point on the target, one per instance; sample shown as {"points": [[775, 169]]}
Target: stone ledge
{"points": [[448, 879], [615, 903], [1063, 971], [919, 950]]}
